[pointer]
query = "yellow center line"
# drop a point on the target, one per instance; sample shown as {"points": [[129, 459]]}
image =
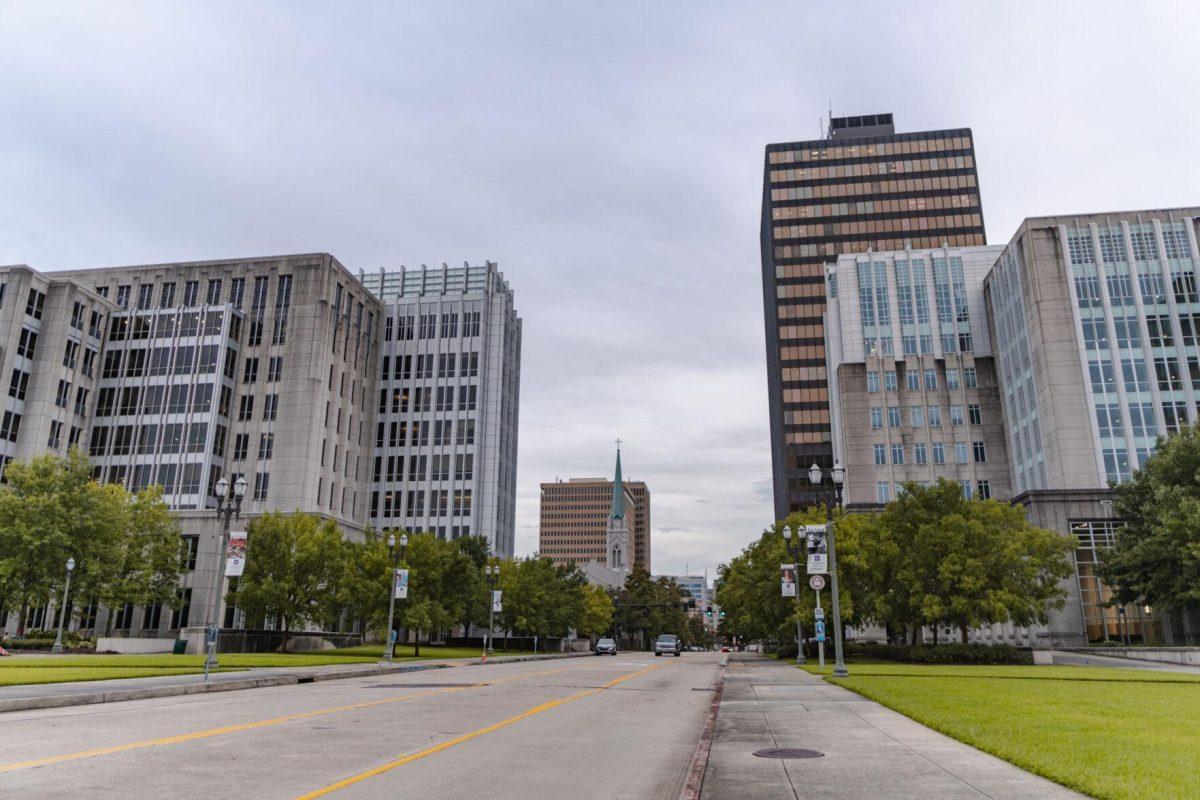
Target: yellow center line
{"points": [[466, 737], [248, 726]]}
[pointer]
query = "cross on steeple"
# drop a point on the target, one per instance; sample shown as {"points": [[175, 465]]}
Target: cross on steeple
{"points": [[618, 444]]}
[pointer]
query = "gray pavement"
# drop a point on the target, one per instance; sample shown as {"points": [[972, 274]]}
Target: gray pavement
{"points": [[623, 727], [870, 752]]}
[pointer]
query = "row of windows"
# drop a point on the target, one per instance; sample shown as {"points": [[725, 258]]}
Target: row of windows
{"points": [[872, 189], [918, 414], [170, 324], [1081, 250], [1151, 286], [172, 437], [1167, 373], [191, 292], [921, 455], [406, 327], [449, 365], [183, 360], [417, 433], [896, 206], [824, 152], [982, 490], [912, 379], [442, 503], [396, 401], [865, 226], [423, 467], [828, 250], [863, 169]]}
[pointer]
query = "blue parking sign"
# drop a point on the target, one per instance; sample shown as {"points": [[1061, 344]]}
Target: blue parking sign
{"points": [[820, 630]]}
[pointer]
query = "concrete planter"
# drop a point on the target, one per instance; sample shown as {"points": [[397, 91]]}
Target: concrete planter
{"points": [[114, 644]]}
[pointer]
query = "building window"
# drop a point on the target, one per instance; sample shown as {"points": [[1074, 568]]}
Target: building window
{"points": [[912, 379], [250, 373], [880, 454], [939, 452], [897, 454], [931, 381], [916, 416], [919, 454], [872, 382], [935, 416], [266, 446], [960, 453], [966, 489], [274, 369], [889, 380], [951, 379], [876, 418], [894, 416], [956, 415], [969, 378], [882, 492], [270, 407], [983, 490], [974, 415], [262, 481], [980, 451]]}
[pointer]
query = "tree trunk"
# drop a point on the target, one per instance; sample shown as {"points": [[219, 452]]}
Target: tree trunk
{"points": [[21, 620], [962, 627], [935, 633], [915, 630], [417, 644]]}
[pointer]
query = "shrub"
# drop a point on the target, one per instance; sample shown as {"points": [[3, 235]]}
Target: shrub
{"points": [[942, 654]]}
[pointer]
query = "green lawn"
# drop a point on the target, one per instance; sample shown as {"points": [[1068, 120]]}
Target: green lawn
{"points": [[1115, 734], [58, 669]]}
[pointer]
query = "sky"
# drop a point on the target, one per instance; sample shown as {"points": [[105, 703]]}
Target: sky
{"points": [[609, 157]]}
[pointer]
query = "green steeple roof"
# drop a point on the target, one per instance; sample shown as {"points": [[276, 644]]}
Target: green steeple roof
{"points": [[618, 501]]}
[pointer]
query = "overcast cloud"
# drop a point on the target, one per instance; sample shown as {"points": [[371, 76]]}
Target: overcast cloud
{"points": [[609, 157]]}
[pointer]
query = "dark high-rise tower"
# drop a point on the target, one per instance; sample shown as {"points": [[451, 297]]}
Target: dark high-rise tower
{"points": [[864, 187]]}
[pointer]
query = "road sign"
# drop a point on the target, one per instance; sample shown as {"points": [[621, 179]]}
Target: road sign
{"points": [[820, 630], [817, 582], [818, 564], [818, 613]]}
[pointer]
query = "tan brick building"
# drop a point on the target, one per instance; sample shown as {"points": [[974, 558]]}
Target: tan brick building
{"points": [[574, 518]]}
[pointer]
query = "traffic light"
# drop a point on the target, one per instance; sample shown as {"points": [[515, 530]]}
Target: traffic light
{"points": [[722, 613], [708, 611]]}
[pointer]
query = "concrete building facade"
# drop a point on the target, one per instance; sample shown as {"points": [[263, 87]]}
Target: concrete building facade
{"points": [[445, 447], [913, 389], [863, 187], [268, 368], [1098, 320]]}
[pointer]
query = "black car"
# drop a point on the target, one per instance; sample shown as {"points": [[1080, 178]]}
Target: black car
{"points": [[605, 647]]}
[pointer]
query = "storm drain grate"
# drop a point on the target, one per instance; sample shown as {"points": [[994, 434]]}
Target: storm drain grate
{"points": [[788, 752], [705, 689]]}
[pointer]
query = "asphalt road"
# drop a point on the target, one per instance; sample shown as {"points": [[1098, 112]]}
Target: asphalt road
{"points": [[610, 727]]}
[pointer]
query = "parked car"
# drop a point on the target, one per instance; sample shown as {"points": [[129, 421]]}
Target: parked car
{"points": [[725, 649], [605, 647], [668, 643]]}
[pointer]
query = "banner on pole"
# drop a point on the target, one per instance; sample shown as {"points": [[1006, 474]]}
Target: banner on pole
{"points": [[787, 579], [818, 551], [400, 584], [497, 606], [235, 555], [820, 626]]}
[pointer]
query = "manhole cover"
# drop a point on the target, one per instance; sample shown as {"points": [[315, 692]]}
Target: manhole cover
{"points": [[418, 685], [788, 752]]}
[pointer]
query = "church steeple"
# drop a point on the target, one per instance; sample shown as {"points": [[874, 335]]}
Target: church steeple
{"points": [[618, 498]]}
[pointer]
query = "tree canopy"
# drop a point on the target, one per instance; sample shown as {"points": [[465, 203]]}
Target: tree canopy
{"points": [[1156, 559]]}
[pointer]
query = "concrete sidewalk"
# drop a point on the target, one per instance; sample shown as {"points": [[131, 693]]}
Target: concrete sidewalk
{"points": [[870, 752], [53, 695]]}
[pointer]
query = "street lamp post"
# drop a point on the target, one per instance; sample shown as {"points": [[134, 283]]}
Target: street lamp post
{"points": [[492, 573], [229, 508], [62, 612], [816, 477], [396, 556], [793, 549]]}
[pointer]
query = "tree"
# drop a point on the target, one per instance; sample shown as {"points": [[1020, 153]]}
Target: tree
{"points": [[1156, 559], [147, 556], [52, 510], [938, 558], [437, 572], [650, 606], [293, 562], [597, 612]]}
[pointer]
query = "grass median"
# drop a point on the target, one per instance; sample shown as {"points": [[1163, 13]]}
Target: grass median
{"points": [[33, 669], [1114, 734]]}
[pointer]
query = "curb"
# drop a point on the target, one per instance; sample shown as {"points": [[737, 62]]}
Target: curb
{"points": [[695, 778], [265, 681]]}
